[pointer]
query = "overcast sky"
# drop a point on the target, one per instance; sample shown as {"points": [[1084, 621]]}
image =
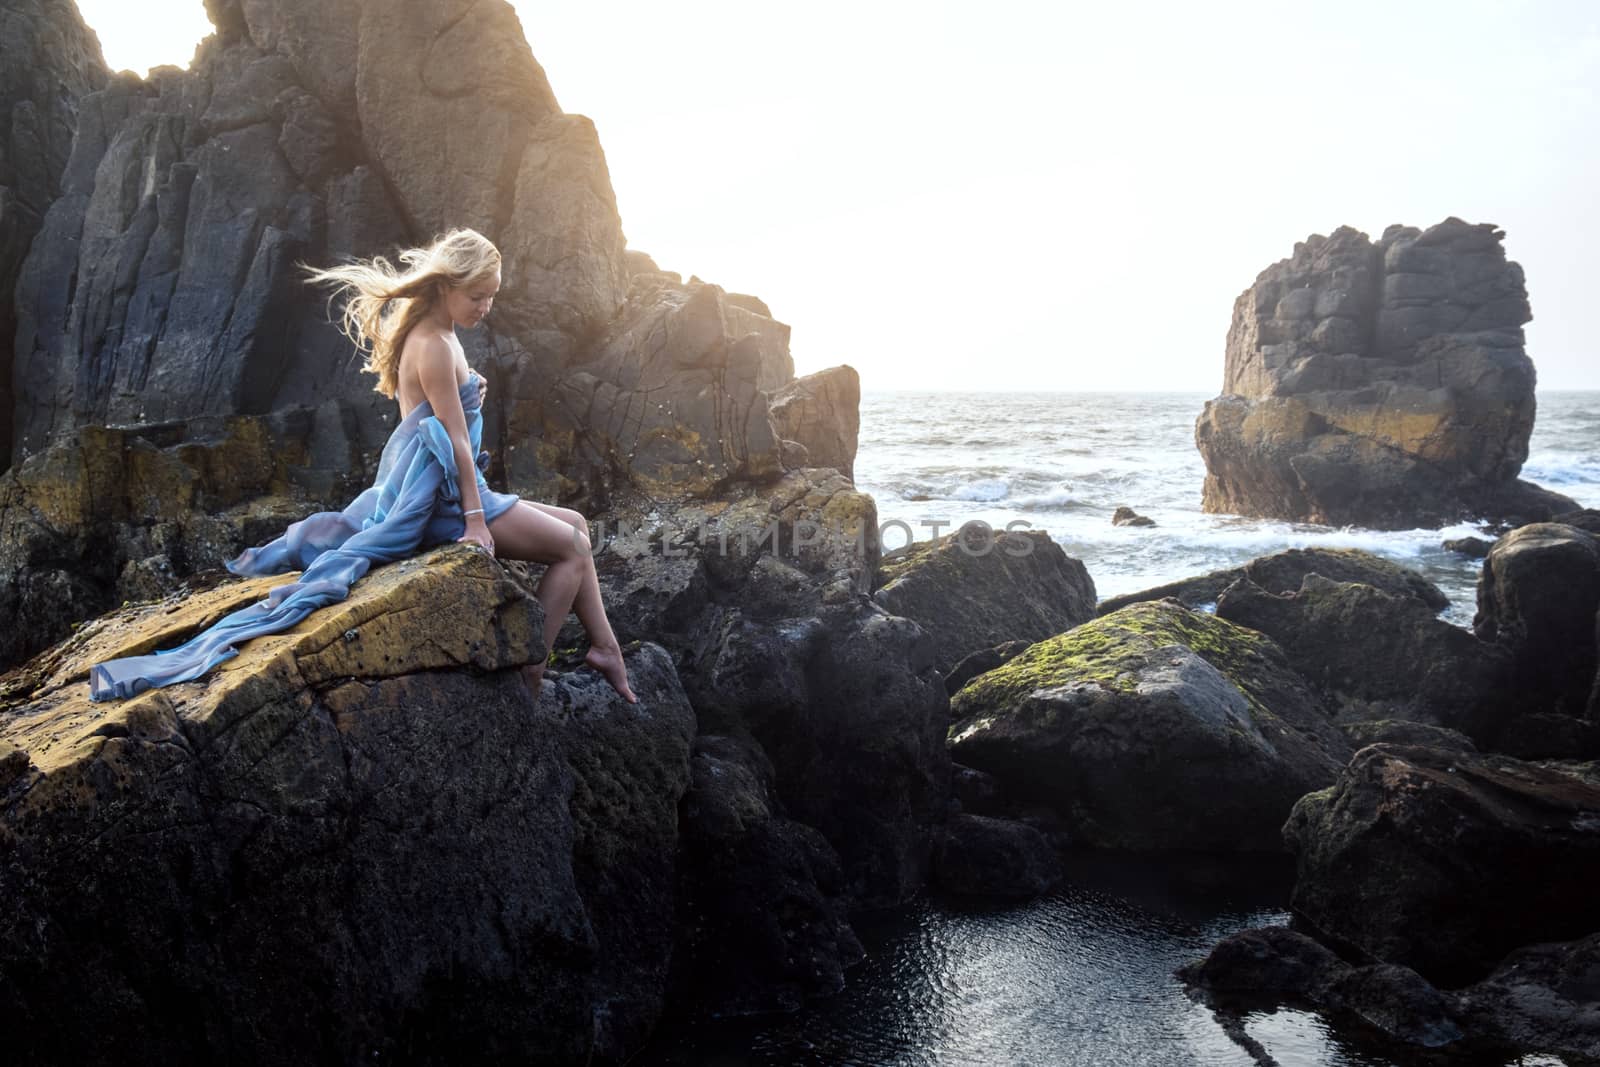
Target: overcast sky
{"points": [[1060, 195]]}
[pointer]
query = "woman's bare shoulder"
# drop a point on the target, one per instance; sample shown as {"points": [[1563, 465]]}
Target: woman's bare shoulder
{"points": [[426, 353]]}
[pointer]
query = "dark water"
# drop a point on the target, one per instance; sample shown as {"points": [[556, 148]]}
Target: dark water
{"points": [[1084, 976]]}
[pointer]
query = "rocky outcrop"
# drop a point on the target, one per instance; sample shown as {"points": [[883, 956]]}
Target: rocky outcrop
{"points": [[1152, 728], [818, 417], [1284, 965], [121, 515], [1378, 384], [762, 921], [975, 589], [1538, 597], [1282, 572], [161, 294], [762, 601], [1373, 655], [981, 856], [1539, 999], [363, 844], [1445, 861], [48, 61], [1126, 516]]}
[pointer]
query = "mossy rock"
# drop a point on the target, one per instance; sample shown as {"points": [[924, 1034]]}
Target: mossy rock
{"points": [[1155, 727]]}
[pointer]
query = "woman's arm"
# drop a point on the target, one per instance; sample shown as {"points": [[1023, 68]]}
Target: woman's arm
{"points": [[437, 371]]}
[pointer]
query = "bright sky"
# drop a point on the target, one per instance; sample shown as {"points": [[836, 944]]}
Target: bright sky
{"points": [[1060, 195]]}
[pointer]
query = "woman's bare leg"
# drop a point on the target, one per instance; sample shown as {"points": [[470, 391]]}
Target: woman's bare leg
{"points": [[559, 538]]}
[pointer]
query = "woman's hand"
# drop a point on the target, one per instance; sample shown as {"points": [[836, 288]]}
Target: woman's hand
{"points": [[477, 534], [483, 389]]}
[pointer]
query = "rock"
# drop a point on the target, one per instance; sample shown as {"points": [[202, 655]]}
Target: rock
{"points": [[774, 637], [1402, 732], [1541, 997], [976, 792], [1272, 960], [1445, 861], [364, 844], [1372, 655], [980, 856], [670, 401], [821, 412], [49, 60], [985, 659], [136, 513], [1282, 572], [1283, 965], [1125, 516], [1378, 384], [975, 589], [762, 913], [1538, 596], [1152, 728], [1586, 519], [1471, 547]]}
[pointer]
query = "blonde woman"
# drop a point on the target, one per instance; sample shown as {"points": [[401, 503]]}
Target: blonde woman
{"points": [[405, 321]]}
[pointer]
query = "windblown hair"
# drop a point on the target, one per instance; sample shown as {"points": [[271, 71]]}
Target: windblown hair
{"points": [[382, 303]]}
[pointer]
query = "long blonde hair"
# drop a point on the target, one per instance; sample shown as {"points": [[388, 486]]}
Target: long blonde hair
{"points": [[384, 303]]}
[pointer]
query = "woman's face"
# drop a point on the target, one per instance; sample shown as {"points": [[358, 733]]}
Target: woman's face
{"points": [[468, 304]]}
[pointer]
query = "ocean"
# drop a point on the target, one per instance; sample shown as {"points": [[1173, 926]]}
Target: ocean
{"points": [[1083, 975], [1064, 462]]}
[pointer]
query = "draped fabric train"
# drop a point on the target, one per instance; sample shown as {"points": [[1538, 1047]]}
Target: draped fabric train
{"points": [[415, 502]]}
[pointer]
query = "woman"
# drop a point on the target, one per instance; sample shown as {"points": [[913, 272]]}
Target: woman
{"points": [[405, 321]]}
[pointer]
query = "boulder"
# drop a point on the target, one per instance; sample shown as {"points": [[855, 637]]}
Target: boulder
{"points": [[1373, 655], [363, 844], [1380, 384], [1282, 572], [1445, 861], [975, 589], [1538, 596], [762, 921], [982, 856], [1471, 547], [1281, 965], [1152, 728], [821, 413], [1543, 997], [1125, 516]]}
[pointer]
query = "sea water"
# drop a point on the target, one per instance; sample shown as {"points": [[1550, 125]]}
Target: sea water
{"points": [[1064, 462], [1084, 974]]}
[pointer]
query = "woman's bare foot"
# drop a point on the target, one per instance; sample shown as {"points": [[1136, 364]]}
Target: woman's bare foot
{"points": [[533, 678], [608, 661]]}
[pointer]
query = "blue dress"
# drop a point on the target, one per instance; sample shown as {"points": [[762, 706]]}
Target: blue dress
{"points": [[414, 503]]}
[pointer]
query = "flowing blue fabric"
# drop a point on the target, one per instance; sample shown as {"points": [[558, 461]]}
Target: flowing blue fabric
{"points": [[415, 502]]}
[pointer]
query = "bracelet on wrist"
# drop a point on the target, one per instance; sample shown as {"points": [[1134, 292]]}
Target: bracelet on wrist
{"points": [[474, 511]]}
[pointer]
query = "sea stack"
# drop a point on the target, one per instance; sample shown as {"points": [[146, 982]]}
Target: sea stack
{"points": [[1381, 384]]}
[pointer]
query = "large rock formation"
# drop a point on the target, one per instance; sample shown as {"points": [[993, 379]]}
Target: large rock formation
{"points": [[1152, 728], [1445, 861], [48, 60], [161, 294], [975, 589], [361, 844], [1378, 384], [763, 603]]}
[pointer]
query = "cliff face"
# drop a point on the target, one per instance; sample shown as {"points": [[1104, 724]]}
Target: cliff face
{"points": [[1378, 384], [160, 318], [48, 60]]}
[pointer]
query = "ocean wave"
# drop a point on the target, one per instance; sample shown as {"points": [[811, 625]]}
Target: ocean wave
{"points": [[986, 490], [1055, 498]]}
